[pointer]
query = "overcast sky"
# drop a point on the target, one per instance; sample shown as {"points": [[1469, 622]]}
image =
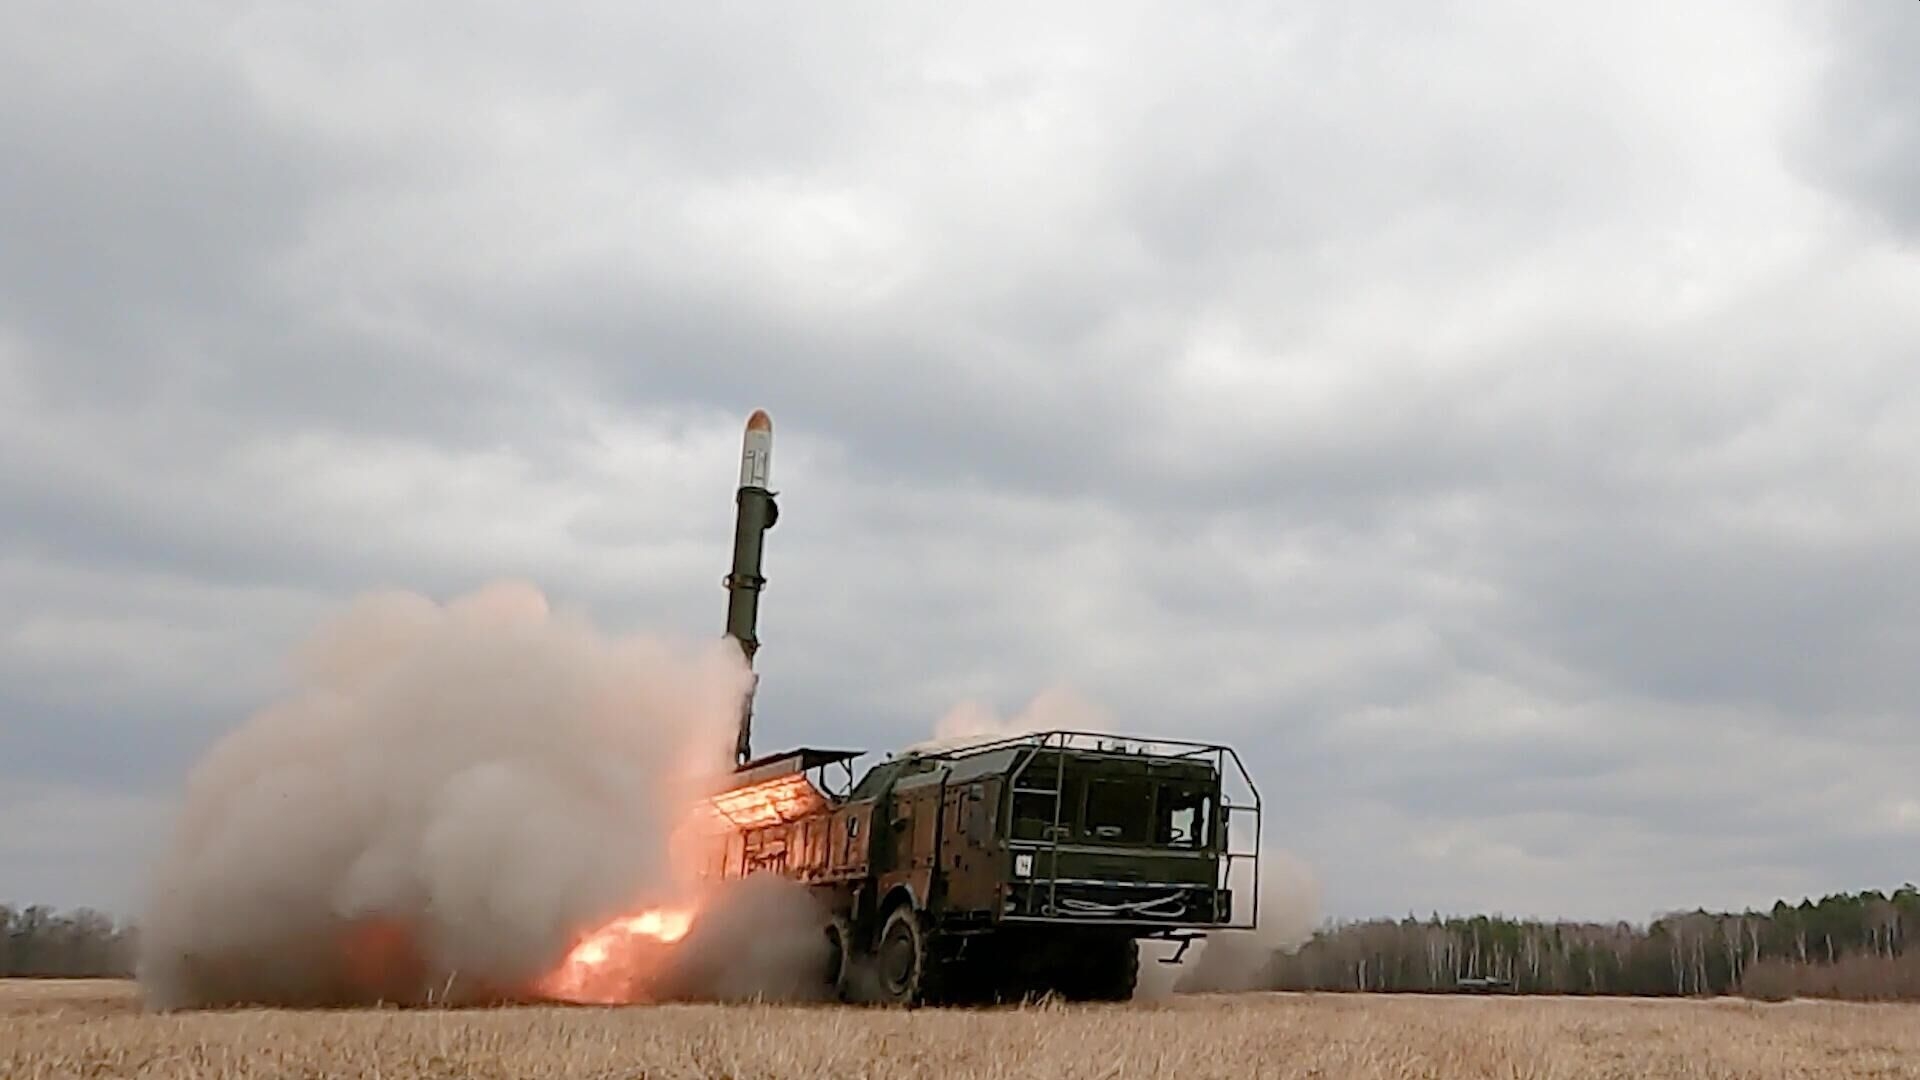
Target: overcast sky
{"points": [[1500, 420]]}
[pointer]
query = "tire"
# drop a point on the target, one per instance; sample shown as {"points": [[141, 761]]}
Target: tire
{"points": [[1110, 971], [841, 945], [964, 982], [900, 958], [1124, 974]]}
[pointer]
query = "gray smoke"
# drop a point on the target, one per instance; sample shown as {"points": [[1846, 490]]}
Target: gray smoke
{"points": [[762, 938], [445, 800]]}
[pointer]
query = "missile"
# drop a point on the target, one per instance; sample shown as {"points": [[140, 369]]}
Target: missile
{"points": [[755, 515]]}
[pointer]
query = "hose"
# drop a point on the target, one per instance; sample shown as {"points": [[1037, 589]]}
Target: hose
{"points": [[1138, 907]]}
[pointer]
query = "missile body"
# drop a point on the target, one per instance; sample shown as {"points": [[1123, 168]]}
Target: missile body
{"points": [[755, 515]]}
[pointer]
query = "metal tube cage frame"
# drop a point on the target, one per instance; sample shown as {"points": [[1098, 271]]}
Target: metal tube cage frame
{"points": [[1131, 747]]}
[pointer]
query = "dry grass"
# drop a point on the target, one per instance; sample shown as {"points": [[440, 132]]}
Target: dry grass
{"points": [[97, 1029]]}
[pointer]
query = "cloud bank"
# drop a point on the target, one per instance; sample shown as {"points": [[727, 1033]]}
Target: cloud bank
{"points": [[1497, 421]]}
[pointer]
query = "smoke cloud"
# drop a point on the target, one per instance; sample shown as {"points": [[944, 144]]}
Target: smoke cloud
{"points": [[1237, 961], [1056, 708], [761, 939], [445, 800]]}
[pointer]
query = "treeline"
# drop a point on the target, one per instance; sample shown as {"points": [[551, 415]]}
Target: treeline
{"points": [[39, 942], [1863, 946]]}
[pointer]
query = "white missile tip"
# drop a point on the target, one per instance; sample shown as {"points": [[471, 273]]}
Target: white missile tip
{"points": [[756, 450]]}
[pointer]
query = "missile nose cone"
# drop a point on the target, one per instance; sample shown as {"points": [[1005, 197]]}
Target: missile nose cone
{"points": [[756, 450]]}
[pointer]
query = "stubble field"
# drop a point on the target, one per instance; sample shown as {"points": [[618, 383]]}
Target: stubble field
{"points": [[93, 1029]]}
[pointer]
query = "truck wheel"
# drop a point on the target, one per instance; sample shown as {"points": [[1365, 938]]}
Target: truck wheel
{"points": [[1124, 974], [1110, 972], [840, 949], [900, 957]]}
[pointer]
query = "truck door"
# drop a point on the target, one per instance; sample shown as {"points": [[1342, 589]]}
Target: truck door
{"points": [[850, 841], [966, 860]]}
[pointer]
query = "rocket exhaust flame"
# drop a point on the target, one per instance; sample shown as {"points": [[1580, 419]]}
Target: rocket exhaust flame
{"points": [[760, 938], [612, 965]]}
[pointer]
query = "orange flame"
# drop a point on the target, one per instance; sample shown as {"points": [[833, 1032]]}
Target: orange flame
{"points": [[610, 965]]}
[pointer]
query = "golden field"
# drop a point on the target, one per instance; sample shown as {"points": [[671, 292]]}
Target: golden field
{"points": [[93, 1029]]}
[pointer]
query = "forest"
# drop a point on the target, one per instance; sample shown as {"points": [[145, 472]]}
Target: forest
{"points": [[1856, 946], [39, 942]]}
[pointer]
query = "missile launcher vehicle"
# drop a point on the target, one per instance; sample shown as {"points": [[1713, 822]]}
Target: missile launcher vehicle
{"points": [[987, 869]]}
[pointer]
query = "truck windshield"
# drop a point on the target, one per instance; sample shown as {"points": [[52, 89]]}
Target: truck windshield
{"points": [[1119, 810], [1181, 820]]}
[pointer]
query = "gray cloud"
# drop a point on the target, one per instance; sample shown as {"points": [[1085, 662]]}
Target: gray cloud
{"points": [[1480, 417], [1861, 134], [147, 191], [75, 845]]}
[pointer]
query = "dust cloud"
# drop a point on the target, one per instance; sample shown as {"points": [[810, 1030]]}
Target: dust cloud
{"points": [[448, 796], [761, 938], [1237, 961]]}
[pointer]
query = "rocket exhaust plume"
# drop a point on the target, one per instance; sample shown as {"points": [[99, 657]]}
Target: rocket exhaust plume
{"points": [[449, 803]]}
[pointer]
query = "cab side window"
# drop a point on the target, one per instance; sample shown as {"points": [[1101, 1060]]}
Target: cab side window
{"points": [[1182, 817]]}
